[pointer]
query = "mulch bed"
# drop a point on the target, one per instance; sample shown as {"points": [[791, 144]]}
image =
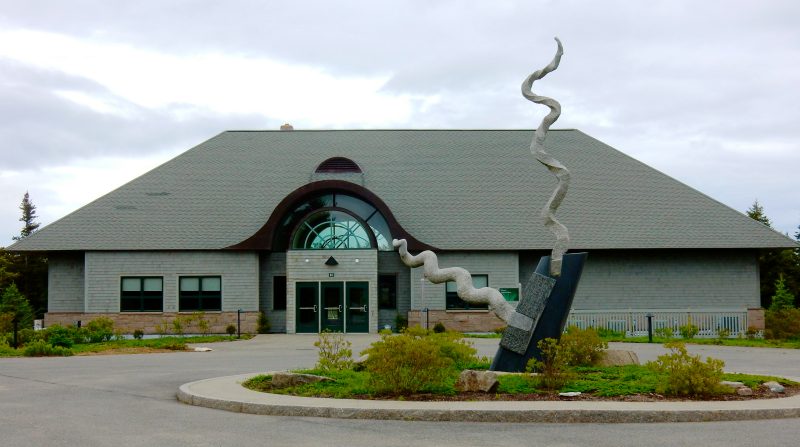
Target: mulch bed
{"points": [[759, 393]]}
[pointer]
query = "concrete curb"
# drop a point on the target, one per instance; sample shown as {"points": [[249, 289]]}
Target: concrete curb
{"points": [[226, 393]]}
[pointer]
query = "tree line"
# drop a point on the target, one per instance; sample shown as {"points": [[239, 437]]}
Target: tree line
{"points": [[779, 268]]}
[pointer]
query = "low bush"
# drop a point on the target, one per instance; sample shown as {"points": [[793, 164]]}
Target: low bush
{"points": [[400, 322], [687, 375], [417, 360], [138, 334], [60, 336], [583, 347], [230, 329], [41, 348], [439, 327], [100, 329], [264, 326], [334, 352], [610, 333], [782, 324], [553, 367], [688, 330], [664, 332]]}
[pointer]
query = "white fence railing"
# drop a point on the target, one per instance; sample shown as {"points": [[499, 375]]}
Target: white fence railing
{"points": [[633, 323]]}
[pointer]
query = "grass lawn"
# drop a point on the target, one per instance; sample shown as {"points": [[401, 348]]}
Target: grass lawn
{"points": [[162, 344]]}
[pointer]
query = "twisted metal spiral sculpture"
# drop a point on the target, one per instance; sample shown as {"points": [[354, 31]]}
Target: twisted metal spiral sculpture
{"points": [[463, 279], [553, 165]]}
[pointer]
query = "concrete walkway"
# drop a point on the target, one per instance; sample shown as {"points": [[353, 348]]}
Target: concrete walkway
{"points": [[227, 393]]}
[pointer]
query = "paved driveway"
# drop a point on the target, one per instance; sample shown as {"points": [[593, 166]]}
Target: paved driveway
{"points": [[130, 401]]}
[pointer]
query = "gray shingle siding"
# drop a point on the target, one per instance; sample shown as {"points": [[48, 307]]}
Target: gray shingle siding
{"points": [[271, 265], [239, 272], [668, 279], [65, 278], [390, 263]]}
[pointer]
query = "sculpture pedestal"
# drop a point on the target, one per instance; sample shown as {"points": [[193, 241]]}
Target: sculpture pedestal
{"points": [[554, 316]]}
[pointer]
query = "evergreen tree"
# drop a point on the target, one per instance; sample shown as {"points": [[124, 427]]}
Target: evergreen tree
{"points": [[775, 263], [16, 306], [756, 212], [28, 217], [7, 273], [783, 298]]}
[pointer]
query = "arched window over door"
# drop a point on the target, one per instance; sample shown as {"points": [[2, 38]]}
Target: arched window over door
{"points": [[333, 229]]}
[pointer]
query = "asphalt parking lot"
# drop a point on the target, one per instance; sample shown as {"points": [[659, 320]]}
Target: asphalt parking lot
{"points": [[130, 400]]}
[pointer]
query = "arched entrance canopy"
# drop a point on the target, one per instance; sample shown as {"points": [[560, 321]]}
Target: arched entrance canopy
{"points": [[275, 234]]}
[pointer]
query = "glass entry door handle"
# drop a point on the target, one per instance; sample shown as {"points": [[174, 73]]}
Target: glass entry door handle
{"points": [[362, 308]]}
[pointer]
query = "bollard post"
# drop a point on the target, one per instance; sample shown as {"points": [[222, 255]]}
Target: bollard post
{"points": [[14, 322], [238, 323], [649, 328]]}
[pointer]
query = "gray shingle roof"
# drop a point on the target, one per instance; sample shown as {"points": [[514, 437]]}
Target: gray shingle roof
{"points": [[452, 189]]}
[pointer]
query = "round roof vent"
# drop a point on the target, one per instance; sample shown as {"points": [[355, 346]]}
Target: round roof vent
{"points": [[338, 165]]}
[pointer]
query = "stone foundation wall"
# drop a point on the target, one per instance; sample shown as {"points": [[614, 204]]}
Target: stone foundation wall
{"points": [[755, 319], [147, 322], [462, 321]]}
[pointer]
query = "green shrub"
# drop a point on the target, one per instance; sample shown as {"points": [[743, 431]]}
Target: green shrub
{"points": [[15, 304], [723, 333], [27, 335], [400, 322], [781, 324], [416, 360], [552, 368], [499, 330], [664, 332], [100, 329], [177, 325], [5, 349], [334, 352], [41, 348], [138, 334], [264, 326], [57, 335], [162, 328], [231, 329], [689, 330], [687, 375], [439, 327], [583, 347]]}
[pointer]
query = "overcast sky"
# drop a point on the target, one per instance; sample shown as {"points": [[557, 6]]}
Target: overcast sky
{"points": [[95, 93]]}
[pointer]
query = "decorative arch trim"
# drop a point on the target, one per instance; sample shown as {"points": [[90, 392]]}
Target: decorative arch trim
{"points": [[263, 238]]}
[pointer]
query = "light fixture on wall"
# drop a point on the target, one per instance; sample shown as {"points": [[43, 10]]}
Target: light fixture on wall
{"points": [[357, 260], [331, 261], [306, 259]]}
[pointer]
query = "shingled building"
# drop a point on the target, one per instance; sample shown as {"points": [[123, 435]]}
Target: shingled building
{"points": [[299, 224]]}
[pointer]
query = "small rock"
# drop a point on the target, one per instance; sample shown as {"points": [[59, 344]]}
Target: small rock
{"points": [[570, 394], [730, 384], [619, 358], [474, 381], [288, 379], [775, 387], [744, 391]]}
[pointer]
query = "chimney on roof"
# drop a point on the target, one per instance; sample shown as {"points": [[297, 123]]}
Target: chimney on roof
{"points": [[287, 126]]}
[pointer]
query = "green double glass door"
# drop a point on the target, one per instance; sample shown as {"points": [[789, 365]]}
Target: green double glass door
{"points": [[333, 306]]}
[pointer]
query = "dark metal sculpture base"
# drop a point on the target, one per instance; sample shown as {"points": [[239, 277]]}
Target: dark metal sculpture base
{"points": [[554, 317]]}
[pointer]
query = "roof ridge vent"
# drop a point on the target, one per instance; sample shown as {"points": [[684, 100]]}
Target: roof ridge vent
{"points": [[287, 126], [338, 165]]}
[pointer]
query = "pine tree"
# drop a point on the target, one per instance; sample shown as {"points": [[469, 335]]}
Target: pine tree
{"points": [[756, 212], [16, 305], [783, 298], [28, 217]]}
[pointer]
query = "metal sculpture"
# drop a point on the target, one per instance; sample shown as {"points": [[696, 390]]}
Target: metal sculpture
{"points": [[548, 293]]}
